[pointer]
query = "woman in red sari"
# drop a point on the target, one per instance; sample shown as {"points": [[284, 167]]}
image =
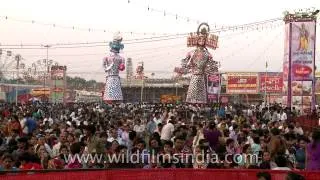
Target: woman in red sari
{"points": [[14, 125]]}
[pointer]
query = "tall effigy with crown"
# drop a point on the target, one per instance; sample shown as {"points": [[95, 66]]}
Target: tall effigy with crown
{"points": [[112, 64], [199, 63]]}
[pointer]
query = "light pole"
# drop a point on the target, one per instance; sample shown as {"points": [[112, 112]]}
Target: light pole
{"points": [[219, 76], [142, 85], [46, 70], [17, 58], [265, 86]]}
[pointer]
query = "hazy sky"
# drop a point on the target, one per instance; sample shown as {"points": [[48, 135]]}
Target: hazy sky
{"points": [[241, 50]]}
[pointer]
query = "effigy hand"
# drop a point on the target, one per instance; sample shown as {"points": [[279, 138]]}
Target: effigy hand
{"points": [[121, 67], [184, 62], [211, 67], [108, 67]]}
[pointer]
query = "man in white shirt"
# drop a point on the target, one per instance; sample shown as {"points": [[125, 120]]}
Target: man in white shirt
{"points": [[56, 147], [139, 128], [49, 119], [113, 135], [249, 113], [23, 124], [42, 142], [298, 129], [157, 118], [283, 116], [167, 131], [275, 116]]}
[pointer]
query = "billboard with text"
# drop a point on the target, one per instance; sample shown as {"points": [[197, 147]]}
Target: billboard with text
{"points": [[242, 83]]}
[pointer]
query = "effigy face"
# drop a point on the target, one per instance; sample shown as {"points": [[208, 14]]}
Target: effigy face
{"points": [[202, 41]]}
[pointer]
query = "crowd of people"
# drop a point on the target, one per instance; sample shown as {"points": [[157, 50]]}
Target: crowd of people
{"points": [[41, 136]]}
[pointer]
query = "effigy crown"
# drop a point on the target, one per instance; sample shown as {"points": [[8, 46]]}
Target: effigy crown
{"points": [[203, 30], [116, 44]]}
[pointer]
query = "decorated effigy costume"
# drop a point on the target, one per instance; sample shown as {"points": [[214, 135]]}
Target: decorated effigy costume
{"points": [[112, 64], [200, 63]]}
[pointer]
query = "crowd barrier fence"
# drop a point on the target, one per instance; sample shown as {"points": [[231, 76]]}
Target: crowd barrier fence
{"points": [[154, 174]]}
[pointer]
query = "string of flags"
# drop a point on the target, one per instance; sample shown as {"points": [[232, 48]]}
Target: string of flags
{"points": [[88, 29], [260, 25]]}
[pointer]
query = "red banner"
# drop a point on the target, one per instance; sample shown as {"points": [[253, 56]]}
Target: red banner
{"points": [[273, 82], [167, 174], [242, 83], [24, 98]]}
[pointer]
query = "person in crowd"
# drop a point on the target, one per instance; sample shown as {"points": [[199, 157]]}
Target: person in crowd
{"points": [[277, 144], [57, 146], [263, 176], [167, 130], [29, 162], [7, 163], [139, 128], [294, 176], [94, 144], [300, 154], [213, 135], [313, 152], [49, 134], [14, 125], [282, 163], [166, 156]]}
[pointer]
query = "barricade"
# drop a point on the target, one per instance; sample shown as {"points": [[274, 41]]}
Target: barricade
{"points": [[154, 174]]}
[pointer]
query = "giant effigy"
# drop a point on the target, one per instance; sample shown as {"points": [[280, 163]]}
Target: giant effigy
{"points": [[112, 64], [199, 63]]}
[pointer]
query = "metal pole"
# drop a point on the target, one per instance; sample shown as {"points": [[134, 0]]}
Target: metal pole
{"points": [[265, 85], [314, 100], [289, 100], [219, 76], [142, 86], [17, 58], [46, 69]]}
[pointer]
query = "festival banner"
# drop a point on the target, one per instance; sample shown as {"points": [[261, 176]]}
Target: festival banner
{"points": [[271, 82], [213, 87], [58, 83], [242, 83], [272, 99], [224, 79], [302, 95], [302, 65], [302, 51]]}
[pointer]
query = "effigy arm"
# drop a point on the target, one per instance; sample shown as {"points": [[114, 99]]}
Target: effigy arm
{"points": [[211, 67], [106, 65]]}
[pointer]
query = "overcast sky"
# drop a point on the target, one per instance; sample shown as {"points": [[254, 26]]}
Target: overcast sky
{"points": [[241, 50]]}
